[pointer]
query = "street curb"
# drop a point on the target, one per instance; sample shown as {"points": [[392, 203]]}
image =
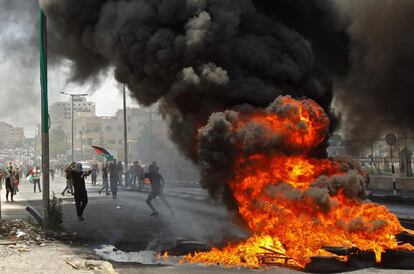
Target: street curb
{"points": [[35, 214]]}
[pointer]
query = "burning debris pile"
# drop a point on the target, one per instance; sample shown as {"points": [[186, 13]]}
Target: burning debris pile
{"points": [[294, 203]]}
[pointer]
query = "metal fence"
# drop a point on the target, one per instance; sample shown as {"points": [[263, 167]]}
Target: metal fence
{"points": [[376, 156], [379, 158]]}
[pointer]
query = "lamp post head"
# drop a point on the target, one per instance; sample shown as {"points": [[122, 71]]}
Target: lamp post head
{"points": [[71, 94]]}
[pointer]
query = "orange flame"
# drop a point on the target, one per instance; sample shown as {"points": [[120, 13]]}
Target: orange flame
{"points": [[275, 192]]}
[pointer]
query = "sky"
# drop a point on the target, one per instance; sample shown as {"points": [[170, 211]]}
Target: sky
{"points": [[107, 96], [19, 72]]}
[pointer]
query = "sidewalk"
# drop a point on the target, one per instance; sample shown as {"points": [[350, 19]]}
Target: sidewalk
{"points": [[16, 209]]}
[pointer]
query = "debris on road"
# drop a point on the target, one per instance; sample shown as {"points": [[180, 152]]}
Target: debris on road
{"points": [[104, 266], [19, 231]]}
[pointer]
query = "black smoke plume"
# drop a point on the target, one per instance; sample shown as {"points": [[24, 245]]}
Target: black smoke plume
{"points": [[196, 57], [321, 23], [377, 96]]}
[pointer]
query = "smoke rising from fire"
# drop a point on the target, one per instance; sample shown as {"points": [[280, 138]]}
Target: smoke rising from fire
{"points": [[197, 57], [377, 95]]}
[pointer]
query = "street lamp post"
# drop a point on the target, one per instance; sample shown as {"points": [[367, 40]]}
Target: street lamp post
{"points": [[71, 101]]}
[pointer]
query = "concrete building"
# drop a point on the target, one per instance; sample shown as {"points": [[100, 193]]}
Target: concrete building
{"points": [[63, 111], [11, 136], [108, 132], [148, 138], [337, 146]]}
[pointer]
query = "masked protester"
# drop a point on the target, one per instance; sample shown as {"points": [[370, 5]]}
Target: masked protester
{"points": [[81, 196]]}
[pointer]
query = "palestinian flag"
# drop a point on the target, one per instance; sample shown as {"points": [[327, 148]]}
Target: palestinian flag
{"points": [[103, 152], [30, 178]]}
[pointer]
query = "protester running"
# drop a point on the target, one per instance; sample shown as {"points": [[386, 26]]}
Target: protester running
{"points": [[157, 190]]}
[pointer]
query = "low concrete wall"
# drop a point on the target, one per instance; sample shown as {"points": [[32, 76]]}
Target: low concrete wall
{"points": [[385, 183]]}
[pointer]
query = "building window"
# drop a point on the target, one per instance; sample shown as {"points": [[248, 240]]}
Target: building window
{"points": [[119, 128], [89, 141], [108, 128], [120, 142]]}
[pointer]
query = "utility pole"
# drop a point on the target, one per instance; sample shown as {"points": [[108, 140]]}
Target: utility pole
{"points": [[35, 144], [71, 101], [125, 134], [81, 143], [151, 150], [45, 116], [71, 131]]}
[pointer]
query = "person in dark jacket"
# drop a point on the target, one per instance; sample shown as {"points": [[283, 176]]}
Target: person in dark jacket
{"points": [[153, 167], [69, 182], [157, 190], [104, 178], [81, 196], [120, 172], [138, 174], [9, 182], [113, 178], [95, 171]]}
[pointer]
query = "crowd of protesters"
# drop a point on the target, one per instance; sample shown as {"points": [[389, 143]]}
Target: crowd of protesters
{"points": [[112, 173]]}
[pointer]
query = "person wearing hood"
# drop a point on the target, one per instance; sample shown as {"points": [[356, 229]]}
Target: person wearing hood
{"points": [[81, 196]]}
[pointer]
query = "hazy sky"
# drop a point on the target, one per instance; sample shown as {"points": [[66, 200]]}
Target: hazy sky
{"points": [[19, 71]]}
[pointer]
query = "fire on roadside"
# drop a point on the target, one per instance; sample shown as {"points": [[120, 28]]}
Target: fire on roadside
{"points": [[295, 204]]}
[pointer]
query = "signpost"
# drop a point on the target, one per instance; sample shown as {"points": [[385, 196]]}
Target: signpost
{"points": [[391, 140]]}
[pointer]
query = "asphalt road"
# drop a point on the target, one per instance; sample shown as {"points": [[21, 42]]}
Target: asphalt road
{"points": [[125, 223]]}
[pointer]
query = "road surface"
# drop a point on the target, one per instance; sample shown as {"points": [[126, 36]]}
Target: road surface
{"points": [[125, 224]]}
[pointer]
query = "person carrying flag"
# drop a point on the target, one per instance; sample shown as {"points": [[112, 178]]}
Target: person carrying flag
{"points": [[35, 173]]}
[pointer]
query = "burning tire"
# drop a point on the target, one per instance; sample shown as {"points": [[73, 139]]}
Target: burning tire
{"points": [[399, 259], [326, 264]]}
